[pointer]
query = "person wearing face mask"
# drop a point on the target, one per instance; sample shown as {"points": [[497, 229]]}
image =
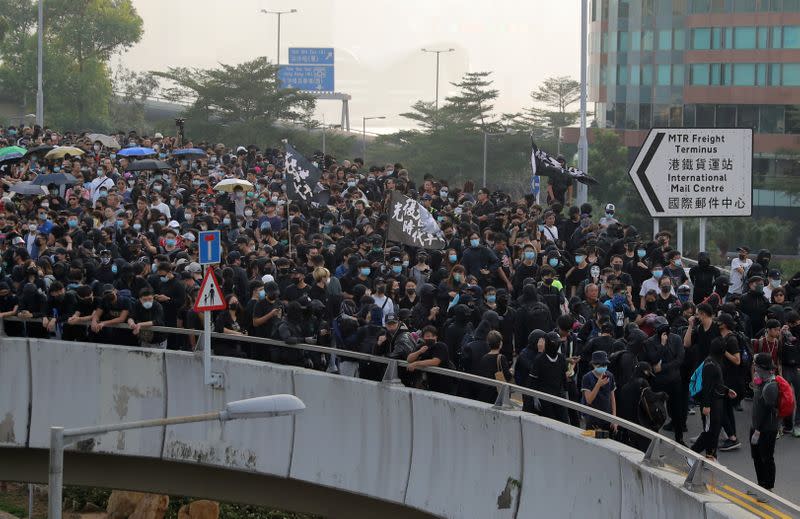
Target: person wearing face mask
{"points": [[525, 268], [765, 420], [146, 313], [652, 283], [107, 272], [665, 353], [674, 269], [578, 272], [481, 261], [551, 293], [773, 281], [430, 352], [100, 185], [666, 296], [113, 309], [492, 363], [630, 399], [598, 391], [754, 305]]}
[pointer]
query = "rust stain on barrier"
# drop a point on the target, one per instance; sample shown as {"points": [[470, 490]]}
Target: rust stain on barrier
{"points": [[231, 456], [123, 394], [7, 429], [505, 498]]}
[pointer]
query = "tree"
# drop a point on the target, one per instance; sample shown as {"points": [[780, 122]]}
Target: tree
{"points": [[246, 92], [472, 107], [80, 36], [131, 91]]}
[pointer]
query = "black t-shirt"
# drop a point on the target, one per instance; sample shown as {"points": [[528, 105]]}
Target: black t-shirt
{"points": [[262, 308], [548, 375], [112, 310], [487, 367], [701, 344], [437, 382]]}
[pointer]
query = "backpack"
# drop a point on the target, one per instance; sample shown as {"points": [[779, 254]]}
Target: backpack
{"points": [[745, 349], [696, 382], [786, 398]]}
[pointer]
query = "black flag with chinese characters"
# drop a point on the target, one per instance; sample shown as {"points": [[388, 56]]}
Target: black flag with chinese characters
{"points": [[301, 175], [411, 224]]}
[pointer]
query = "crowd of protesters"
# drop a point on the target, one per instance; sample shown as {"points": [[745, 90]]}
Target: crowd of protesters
{"points": [[565, 299]]}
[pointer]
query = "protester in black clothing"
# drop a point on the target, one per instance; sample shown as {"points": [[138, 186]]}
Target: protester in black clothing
{"points": [[60, 306], [147, 313], [789, 356], [765, 422], [664, 351], [33, 305], [170, 293], [112, 310], [754, 305], [703, 275], [548, 374], [227, 322], [431, 353], [492, 364], [629, 402], [711, 399]]}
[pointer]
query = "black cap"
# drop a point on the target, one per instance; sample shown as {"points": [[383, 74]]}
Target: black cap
{"points": [[105, 289], [743, 248], [392, 318], [763, 360], [600, 358], [727, 320]]}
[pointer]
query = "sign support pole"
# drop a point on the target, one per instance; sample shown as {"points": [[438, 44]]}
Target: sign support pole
{"points": [[206, 344], [702, 235], [680, 235], [655, 227]]}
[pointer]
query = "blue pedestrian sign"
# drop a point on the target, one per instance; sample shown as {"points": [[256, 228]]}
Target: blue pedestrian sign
{"points": [[315, 78], [210, 247], [310, 56]]}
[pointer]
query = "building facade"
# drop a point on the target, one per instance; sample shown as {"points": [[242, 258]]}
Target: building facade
{"points": [[704, 63]]}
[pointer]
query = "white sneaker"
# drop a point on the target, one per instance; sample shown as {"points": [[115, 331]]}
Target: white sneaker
{"points": [[796, 431]]}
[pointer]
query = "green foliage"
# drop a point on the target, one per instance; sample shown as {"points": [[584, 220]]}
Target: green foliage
{"points": [[729, 233], [131, 91], [9, 506], [472, 107], [80, 36], [76, 498], [247, 92], [787, 267]]}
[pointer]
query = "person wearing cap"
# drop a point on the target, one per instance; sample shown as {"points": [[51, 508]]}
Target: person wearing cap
{"points": [[740, 265], [773, 282], [665, 353], [113, 309], [765, 420], [754, 305], [598, 391], [609, 218]]}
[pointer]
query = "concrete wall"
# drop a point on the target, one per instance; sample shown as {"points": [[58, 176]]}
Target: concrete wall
{"points": [[357, 445]]}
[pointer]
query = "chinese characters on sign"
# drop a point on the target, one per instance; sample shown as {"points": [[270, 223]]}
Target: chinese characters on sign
{"points": [[412, 224], [685, 172]]}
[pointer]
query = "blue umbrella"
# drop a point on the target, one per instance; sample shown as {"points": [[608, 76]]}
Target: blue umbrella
{"points": [[136, 152], [189, 152], [10, 158], [55, 178]]}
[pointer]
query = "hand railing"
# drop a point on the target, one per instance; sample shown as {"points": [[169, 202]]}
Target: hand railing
{"points": [[660, 446]]}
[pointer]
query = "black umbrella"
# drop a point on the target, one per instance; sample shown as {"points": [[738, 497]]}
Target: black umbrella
{"points": [[58, 179], [39, 150], [147, 165]]}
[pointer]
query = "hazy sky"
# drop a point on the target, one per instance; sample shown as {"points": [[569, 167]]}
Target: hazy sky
{"points": [[377, 44]]}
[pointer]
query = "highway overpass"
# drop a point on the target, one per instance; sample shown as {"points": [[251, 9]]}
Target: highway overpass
{"points": [[361, 448]]}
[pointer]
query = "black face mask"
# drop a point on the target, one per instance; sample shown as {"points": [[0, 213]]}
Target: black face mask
{"points": [[430, 342], [233, 306]]}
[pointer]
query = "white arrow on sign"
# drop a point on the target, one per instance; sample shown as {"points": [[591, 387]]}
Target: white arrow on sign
{"points": [[695, 172]]}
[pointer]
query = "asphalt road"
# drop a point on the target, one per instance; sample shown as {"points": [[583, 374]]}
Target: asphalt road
{"points": [[787, 454]]}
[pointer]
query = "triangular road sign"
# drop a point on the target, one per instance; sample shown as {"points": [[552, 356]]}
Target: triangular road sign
{"points": [[210, 297]]}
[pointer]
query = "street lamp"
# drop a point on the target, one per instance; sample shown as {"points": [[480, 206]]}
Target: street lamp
{"points": [[583, 146], [279, 13], [39, 51], [437, 70], [486, 136], [259, 407], [364, 135]]}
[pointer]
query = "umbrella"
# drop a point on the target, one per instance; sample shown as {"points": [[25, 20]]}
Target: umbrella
{"points": [[38, 150], [148, 165], [58, 179], [136, 152], [59, 152], [189, 152], [229, 184], [27, 188], [12, 150], [10, 158], [106, 140]]}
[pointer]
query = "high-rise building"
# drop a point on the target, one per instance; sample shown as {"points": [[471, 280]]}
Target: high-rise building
{"points": [[703, 63]]}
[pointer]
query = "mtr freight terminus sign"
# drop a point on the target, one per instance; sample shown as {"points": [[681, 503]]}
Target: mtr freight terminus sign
{"points": [[696, 172]]}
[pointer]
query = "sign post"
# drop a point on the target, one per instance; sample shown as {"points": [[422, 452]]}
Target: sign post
{"points": [[210, 297], [695, 173]]}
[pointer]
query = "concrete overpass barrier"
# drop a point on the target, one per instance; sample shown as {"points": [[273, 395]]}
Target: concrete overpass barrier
{"points": [[416, 451]]}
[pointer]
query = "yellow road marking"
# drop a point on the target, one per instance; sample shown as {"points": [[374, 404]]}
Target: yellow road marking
{"points": [[752, 499], [741, 503]]}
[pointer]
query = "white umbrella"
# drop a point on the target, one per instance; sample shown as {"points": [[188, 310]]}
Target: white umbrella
{"points": [[229, 184], [106, 140]]}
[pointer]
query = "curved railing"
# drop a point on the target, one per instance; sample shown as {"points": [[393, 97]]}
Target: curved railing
{"points": [[703, 476]]}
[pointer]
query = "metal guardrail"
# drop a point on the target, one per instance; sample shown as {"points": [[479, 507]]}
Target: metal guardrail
{"points": [[660, 445]]}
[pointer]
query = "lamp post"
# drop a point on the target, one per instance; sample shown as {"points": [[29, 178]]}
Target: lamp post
{"points": [[39, 59], [583, 145], [259, 407], [486, 136], [279, 13], [437, 52], [364, 135]]}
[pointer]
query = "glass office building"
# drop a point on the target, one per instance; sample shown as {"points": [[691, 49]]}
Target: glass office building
{"points": [[703, 63]]}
